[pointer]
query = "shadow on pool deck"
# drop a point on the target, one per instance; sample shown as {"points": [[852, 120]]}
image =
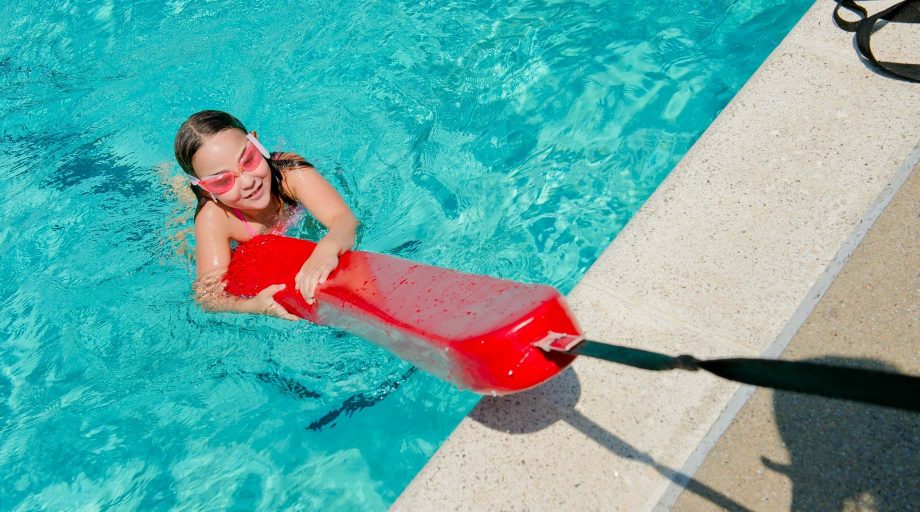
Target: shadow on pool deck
{"points": [[719, 262], [848, 455], [793, 452], [530, 411]]}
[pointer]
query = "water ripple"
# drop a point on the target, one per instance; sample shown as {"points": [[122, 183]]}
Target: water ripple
{"points": [[513, 139]]}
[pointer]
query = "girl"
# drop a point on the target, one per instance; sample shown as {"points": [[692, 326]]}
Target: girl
{"points": [[242, 191]]}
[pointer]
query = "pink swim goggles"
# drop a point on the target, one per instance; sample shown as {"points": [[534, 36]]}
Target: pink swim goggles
{"points": [[224, 181]]}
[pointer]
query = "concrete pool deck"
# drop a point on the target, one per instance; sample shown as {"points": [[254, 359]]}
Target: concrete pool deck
{"points": [[728, 258], [793, 452]]}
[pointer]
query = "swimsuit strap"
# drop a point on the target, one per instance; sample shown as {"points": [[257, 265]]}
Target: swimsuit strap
{"points": [[252, 232]]}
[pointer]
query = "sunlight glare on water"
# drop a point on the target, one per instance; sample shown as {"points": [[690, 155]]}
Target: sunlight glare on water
{"points": [[513, 139]]}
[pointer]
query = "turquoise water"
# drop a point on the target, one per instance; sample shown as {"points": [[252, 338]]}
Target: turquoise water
{"points": [[512, 140]]}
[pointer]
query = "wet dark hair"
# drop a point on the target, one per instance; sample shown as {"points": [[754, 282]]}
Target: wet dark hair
{"points": [[201, 125]]}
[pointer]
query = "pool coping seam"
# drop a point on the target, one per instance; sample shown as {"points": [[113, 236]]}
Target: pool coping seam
{"points": [[831, 231], [792, 326]]}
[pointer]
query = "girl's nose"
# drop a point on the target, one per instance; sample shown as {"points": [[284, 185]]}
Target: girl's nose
{"points": [[246, 180]]}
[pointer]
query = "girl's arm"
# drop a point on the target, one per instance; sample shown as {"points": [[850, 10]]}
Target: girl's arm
{"points": [[324, 203], [212, 248]]}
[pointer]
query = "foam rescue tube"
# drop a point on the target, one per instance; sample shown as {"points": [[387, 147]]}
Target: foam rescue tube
{"points": [[475, 331]]}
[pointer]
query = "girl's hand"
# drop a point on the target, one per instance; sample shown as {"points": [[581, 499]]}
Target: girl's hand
{"points": [[315, 270], [265, 304]]}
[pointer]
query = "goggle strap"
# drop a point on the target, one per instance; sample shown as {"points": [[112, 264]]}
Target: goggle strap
{"points": [[255, 142]]}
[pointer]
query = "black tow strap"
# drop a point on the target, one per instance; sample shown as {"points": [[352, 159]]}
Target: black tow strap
{"points": [[907, 11], [857, 384]]}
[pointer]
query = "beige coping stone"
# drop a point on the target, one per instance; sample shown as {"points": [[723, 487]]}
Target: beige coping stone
{"points": [[716, 263], [786, 451]]}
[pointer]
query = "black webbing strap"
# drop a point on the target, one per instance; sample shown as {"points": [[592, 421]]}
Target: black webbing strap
{"points": [[907, 11], [857, 384]]}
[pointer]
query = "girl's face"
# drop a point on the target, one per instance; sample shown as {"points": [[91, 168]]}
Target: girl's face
{"points": [[222, 152]]}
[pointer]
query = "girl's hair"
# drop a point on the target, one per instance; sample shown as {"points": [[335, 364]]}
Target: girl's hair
{"points": [[196, 129]]}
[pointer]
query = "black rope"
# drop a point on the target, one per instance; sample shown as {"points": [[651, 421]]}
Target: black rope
{"points": [[907, 11], [857, 384]]}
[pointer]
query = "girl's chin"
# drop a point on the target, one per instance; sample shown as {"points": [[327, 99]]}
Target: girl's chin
{"points": [[257, 204]]}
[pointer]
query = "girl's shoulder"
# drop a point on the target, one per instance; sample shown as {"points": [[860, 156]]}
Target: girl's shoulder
{"points": [[212, 222], [286, 160], [209, 214]]}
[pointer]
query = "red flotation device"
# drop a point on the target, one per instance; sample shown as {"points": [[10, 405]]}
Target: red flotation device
{"points": [[478, 332]]}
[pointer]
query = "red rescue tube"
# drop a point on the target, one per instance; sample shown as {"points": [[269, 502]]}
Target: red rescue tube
{"points": [[475, 331]]}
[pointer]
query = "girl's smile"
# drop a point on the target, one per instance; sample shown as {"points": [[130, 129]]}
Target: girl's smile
{"points": [[255, 194]]}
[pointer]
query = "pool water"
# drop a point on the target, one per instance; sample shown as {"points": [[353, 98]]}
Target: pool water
{"points": [[514, 140]]}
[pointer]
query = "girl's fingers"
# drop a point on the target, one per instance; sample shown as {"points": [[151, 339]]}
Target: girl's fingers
{"points": [[316, 278], [304, 279], [290, 316], [271, 290], [308, 295], [309, 277], [310, 291], [280, 312]]}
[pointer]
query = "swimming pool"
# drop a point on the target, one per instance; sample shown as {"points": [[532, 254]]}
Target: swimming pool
{"points": [[512, 140]]}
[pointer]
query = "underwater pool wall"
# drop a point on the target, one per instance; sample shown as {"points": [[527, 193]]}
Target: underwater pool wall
{"points": [[727, 258]]}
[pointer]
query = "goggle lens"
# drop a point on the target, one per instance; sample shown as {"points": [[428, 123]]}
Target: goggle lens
{"points": [[223, 182], [251, 158], [218, 183]]}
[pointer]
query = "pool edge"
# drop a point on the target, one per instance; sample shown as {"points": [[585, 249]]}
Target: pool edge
{"points": [[615, 438]]}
